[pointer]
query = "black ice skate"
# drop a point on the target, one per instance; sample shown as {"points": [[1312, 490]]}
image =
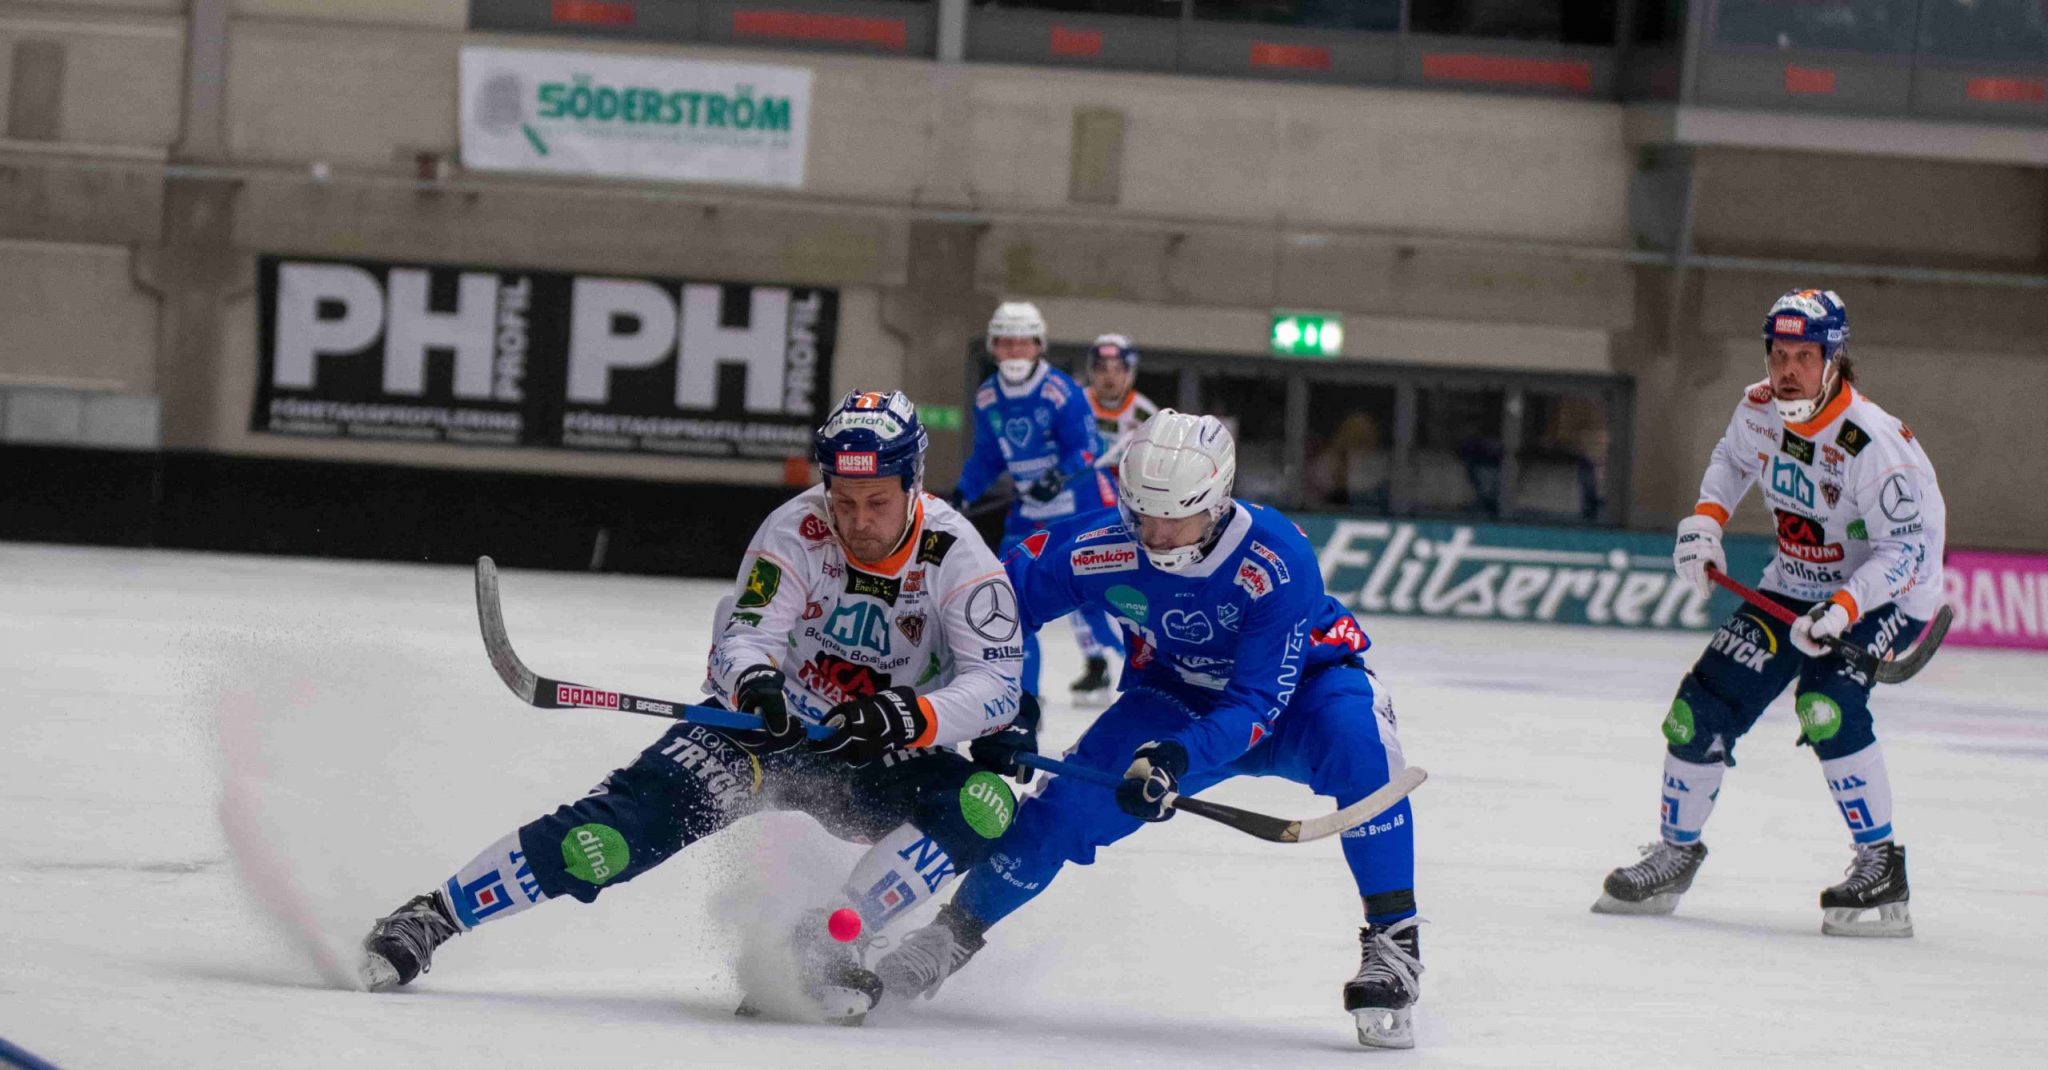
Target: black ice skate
{"points": [[1093, 685], [1877, 881], [925, 958], [401, 945], [1653, 885], [1382, 997], [829, 973]]}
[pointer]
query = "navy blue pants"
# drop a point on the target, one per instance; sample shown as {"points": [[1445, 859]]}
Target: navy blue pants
{"points": [[1748, 663], [696, 781]]}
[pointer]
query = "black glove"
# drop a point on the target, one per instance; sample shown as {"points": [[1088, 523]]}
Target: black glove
{"points": [[956, 499], [997, 753], [1046, 487], [759, 692], [1156, 769], [866, 728]]}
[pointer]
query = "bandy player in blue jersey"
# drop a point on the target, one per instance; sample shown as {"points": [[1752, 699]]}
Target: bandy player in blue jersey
{"points": [[1238, 664], [1034, 422]]}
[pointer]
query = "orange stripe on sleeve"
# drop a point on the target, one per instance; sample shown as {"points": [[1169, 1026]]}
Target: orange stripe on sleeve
{"points": [[1847, 601], [931, 723], [1719, 514]]}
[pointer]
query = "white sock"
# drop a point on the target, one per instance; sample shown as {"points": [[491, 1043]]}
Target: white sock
{"points": [[1863, 792], [495, 884], [904, 868], [1688, 798]]}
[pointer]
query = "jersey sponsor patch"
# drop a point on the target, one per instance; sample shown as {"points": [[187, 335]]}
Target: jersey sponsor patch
{"points": [[912, 626], [913, 581], [1905, 432], [814, 528], [1344, 632], [1255, 580], [762, 582], [933, 547], [885, 588], [1272, 558], [1760, 394], [1034, 544], [838, 680], [984, 397], [1745, 638], [1120, 557], [992, 611], [1054, 391], [1187, 626], [1897, 500], [1852, 438], [1805, 538], [1114, 529], [1798, 448]]}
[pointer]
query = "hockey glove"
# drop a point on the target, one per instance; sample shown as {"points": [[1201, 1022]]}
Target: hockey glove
{"points": [[1155, 772], [867, 728], [1814, 633], [956, 499], [1046, 487], [1699, 545], [998, 753], [759, 692]]}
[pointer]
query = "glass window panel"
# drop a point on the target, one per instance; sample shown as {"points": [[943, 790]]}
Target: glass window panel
{"points": [[1851, 25], [1455, 464], [1587, 22], [2015, 30], [1256, 411], [1382, 15], [1561, 467], [1350, 447]]}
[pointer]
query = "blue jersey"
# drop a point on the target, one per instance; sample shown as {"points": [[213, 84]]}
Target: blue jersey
{"points": [[1042, 424], [1230, 637]]}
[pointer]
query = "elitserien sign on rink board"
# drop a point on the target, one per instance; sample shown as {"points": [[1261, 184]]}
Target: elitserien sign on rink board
{"points": [[479, 356], [626, 116]]}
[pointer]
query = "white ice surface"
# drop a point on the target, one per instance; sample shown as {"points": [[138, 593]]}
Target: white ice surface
{"points": [[347, 716]]}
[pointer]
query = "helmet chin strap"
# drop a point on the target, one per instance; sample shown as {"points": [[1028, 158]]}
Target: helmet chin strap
{"points": [[1023, 369], [1798, 412], [1181, 557]]}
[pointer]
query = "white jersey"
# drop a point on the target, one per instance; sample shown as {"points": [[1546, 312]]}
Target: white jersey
{"points": [[937, 615], [1858, 513], [1116, 424]]}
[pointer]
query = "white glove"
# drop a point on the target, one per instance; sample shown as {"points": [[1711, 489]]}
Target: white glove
{"points": [[1699, 545], [1823, 622]]}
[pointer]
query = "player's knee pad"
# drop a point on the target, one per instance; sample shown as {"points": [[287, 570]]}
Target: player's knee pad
{"points": [[1835, 718], [1701, 726], [966, 812]]}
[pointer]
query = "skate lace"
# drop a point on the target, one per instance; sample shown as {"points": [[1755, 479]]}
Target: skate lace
{"points": [[1867, 868], [1660, 861], [924, 959], [1385, 959]]}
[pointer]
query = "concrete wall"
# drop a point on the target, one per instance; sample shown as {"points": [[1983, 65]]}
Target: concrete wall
{"points": [[1450, 229]]}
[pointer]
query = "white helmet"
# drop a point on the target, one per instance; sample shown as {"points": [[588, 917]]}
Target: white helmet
{"points": [[1016, 319], [1178, 465]]}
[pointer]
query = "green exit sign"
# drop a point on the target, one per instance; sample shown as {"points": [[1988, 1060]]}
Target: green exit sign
{"points": [[939, 417], [1307, 334]]}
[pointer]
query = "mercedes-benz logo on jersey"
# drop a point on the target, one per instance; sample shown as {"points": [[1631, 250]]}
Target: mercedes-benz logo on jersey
{"points": [[1897, 501], [992, 611]]}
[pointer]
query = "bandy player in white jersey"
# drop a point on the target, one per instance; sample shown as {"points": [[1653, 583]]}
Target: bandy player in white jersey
{"points": [[1860, 524], [864, 605]]}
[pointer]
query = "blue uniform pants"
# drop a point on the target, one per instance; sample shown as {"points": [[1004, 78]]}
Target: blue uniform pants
{"points": [[1337, 737]]}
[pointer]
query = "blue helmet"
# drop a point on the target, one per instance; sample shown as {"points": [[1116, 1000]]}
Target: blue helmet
{"points": [[1114, 345], [872, 434], [1809, 316]]}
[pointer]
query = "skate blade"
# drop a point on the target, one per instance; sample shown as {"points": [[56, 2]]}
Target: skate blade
{"points": [[1663, 903], [842, 1006], [377, 973], [1893, 920], [1385, 1027]]}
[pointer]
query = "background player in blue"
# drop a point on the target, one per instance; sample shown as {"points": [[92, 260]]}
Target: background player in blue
{"points": [[1032, 421], [1238, 663]]}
